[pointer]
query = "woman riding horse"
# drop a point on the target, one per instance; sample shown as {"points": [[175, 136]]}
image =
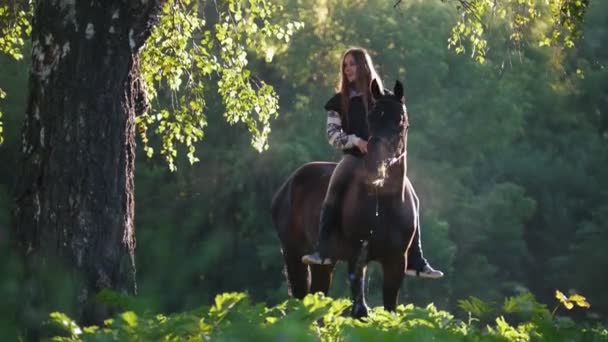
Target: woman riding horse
{"points": [[378, 216], [347, 130]]}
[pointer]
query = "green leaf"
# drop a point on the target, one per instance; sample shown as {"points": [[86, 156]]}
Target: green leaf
{"points": [[475, 306], [62, 321], [130, 318]]}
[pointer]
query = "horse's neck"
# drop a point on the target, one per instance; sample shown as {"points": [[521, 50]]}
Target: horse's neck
{"points": [[396, 176], [392, 184]]}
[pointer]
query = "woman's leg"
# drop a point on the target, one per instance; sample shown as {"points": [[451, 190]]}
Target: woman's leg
{"points": [[415, 259], [417, 265], [330, 211]]}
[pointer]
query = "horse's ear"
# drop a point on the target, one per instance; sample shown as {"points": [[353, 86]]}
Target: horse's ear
{"points": [[375, 89], [398, 90]]}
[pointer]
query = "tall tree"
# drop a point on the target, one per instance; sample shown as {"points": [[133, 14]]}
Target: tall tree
{"points": [[74, 197]]}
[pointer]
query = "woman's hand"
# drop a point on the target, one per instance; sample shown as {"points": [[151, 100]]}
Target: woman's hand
{"points": [[362, 145]]}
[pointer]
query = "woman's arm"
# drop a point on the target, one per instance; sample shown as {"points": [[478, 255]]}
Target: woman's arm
{"points": [[336, 135]]}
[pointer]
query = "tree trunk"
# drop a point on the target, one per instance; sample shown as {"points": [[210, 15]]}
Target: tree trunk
{"points": [[74, 195]]}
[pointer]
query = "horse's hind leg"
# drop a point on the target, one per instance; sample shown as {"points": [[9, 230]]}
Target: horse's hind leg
{"points": [[321, 278], [393, 276], [298, 276]]}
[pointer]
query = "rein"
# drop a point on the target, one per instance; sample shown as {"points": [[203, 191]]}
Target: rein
{"points": [[396, 159]]}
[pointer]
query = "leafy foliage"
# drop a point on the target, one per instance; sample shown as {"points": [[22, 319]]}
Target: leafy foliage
{"points": [[187, 53], [553, 22], [14, 27], [233, 317]]}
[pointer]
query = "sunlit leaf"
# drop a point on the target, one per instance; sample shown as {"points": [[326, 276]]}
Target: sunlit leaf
{"points": [[560, 296], [64, 322], [130, 318], [579, 300]]}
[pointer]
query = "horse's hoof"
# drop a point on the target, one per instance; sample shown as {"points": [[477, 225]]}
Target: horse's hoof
{"points": [[360, 310]]}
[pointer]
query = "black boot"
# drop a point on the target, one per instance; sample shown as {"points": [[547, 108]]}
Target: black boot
{"points": [[417, 265], [327, 222]]}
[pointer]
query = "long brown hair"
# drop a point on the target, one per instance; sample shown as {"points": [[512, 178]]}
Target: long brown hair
{"points": [[365, 74]]}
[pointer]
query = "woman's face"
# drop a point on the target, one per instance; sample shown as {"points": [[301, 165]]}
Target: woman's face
{"points": [[350, 68]]}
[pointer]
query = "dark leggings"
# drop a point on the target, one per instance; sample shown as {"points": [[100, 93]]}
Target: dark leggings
{"points": [[340, 178], [415, 259]]}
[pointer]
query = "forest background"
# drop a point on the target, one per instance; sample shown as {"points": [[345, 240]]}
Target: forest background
{"points": [[509, 158]]}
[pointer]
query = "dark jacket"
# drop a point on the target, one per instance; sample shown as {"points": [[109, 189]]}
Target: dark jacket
{"points": [[353, 122]]}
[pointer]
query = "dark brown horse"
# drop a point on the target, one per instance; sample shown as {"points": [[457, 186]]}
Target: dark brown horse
{"points": [[379, 212]]}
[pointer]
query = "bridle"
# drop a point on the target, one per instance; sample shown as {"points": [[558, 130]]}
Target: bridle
{"points": [[395, 160]]}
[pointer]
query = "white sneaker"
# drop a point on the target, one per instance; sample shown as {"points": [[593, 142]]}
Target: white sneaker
{"points": [[427, 272], [315, 259]]}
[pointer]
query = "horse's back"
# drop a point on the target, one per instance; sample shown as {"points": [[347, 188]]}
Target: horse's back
{"points": [[296, 205]]}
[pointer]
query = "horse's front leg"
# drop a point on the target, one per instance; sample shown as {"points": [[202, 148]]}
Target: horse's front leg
{"points": [[321, 278], [356, 276], [393, 270]]}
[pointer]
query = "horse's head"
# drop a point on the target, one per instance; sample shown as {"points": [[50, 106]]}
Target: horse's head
{"points": [[388, 125]]}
